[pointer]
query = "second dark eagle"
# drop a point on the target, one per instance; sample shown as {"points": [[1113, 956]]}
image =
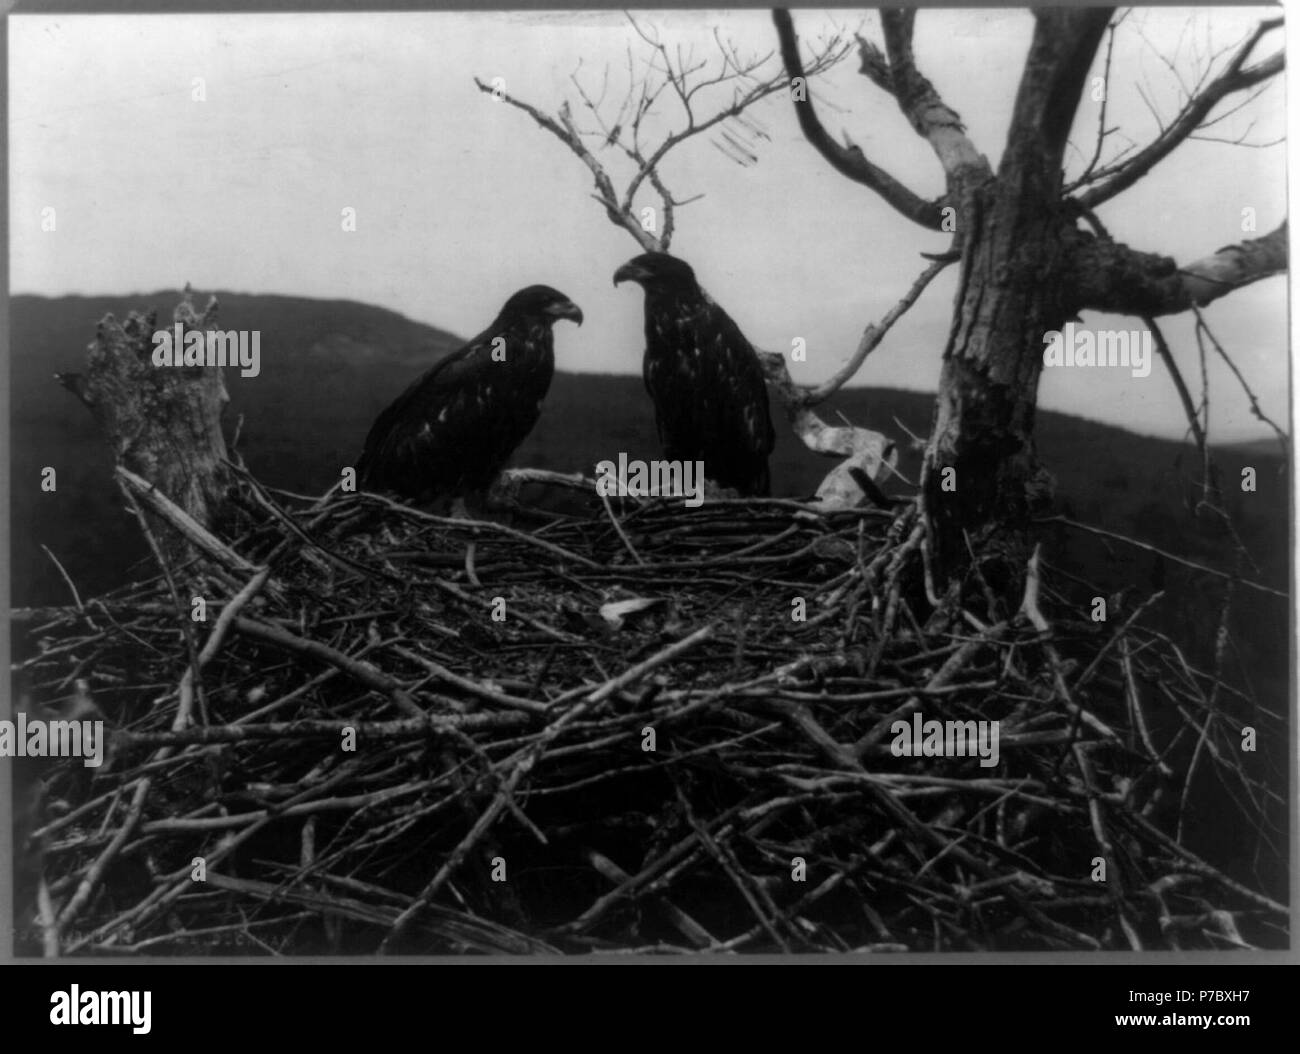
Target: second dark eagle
{"points": [[450, 433], [704, 377]]}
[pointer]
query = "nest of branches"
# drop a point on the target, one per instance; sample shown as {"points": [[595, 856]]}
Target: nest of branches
{"points": [[655, 728]]}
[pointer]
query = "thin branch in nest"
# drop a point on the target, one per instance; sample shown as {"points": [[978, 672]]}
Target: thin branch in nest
{"points": [[618, 527]]}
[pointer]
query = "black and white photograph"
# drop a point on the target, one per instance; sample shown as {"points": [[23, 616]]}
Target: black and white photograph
{"points": [[644, 485]]}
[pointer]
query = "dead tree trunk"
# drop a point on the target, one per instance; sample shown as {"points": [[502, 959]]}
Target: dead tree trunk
{"points": [[163, 423], [981, 469]]}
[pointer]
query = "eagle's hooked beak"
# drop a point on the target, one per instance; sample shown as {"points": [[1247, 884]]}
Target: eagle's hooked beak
{"points": [[630, 272], [566, 309]]}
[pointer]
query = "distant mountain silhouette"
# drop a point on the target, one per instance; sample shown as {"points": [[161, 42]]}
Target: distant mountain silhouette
{"points": [[330, 366]]}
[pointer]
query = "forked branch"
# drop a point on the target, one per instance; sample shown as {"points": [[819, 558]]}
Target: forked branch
{"points": [[698, 89], [1235, 77], [848, 160]]}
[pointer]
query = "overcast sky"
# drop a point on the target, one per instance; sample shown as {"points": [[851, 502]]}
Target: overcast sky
{"points": [[461, 200]]}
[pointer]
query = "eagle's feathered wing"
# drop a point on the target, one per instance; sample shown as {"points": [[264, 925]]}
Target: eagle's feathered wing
{"points": [[709, 394], [455, 427]]}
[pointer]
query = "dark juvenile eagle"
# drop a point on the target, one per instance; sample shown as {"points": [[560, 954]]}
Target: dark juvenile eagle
{"points": [[704, 377], [452, 431]]}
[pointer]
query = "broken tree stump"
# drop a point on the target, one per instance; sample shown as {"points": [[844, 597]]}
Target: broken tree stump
{"points": [[163, 423]]}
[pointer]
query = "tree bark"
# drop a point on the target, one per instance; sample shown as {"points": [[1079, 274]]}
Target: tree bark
{"points": [[981, 469], [163, 423], [1107, 275]]}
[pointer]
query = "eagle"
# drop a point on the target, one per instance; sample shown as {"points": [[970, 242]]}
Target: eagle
{"points": [[703, 376], [450, 433]]}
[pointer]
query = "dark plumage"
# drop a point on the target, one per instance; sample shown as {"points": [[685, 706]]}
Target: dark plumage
{"points": [[704, 377], [452, 431]]}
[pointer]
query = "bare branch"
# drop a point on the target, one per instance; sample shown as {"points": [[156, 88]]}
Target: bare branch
{"points": [[874, 334], [1102, 130], [672, 71], [924, 108], [568, 135], [1235, 77], [741, 99], [1184, 393], [849, 161], [1110, 276], [1202, 327]]}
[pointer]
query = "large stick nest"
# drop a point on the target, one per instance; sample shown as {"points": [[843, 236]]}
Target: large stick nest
{"points": [[646, 749]]}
